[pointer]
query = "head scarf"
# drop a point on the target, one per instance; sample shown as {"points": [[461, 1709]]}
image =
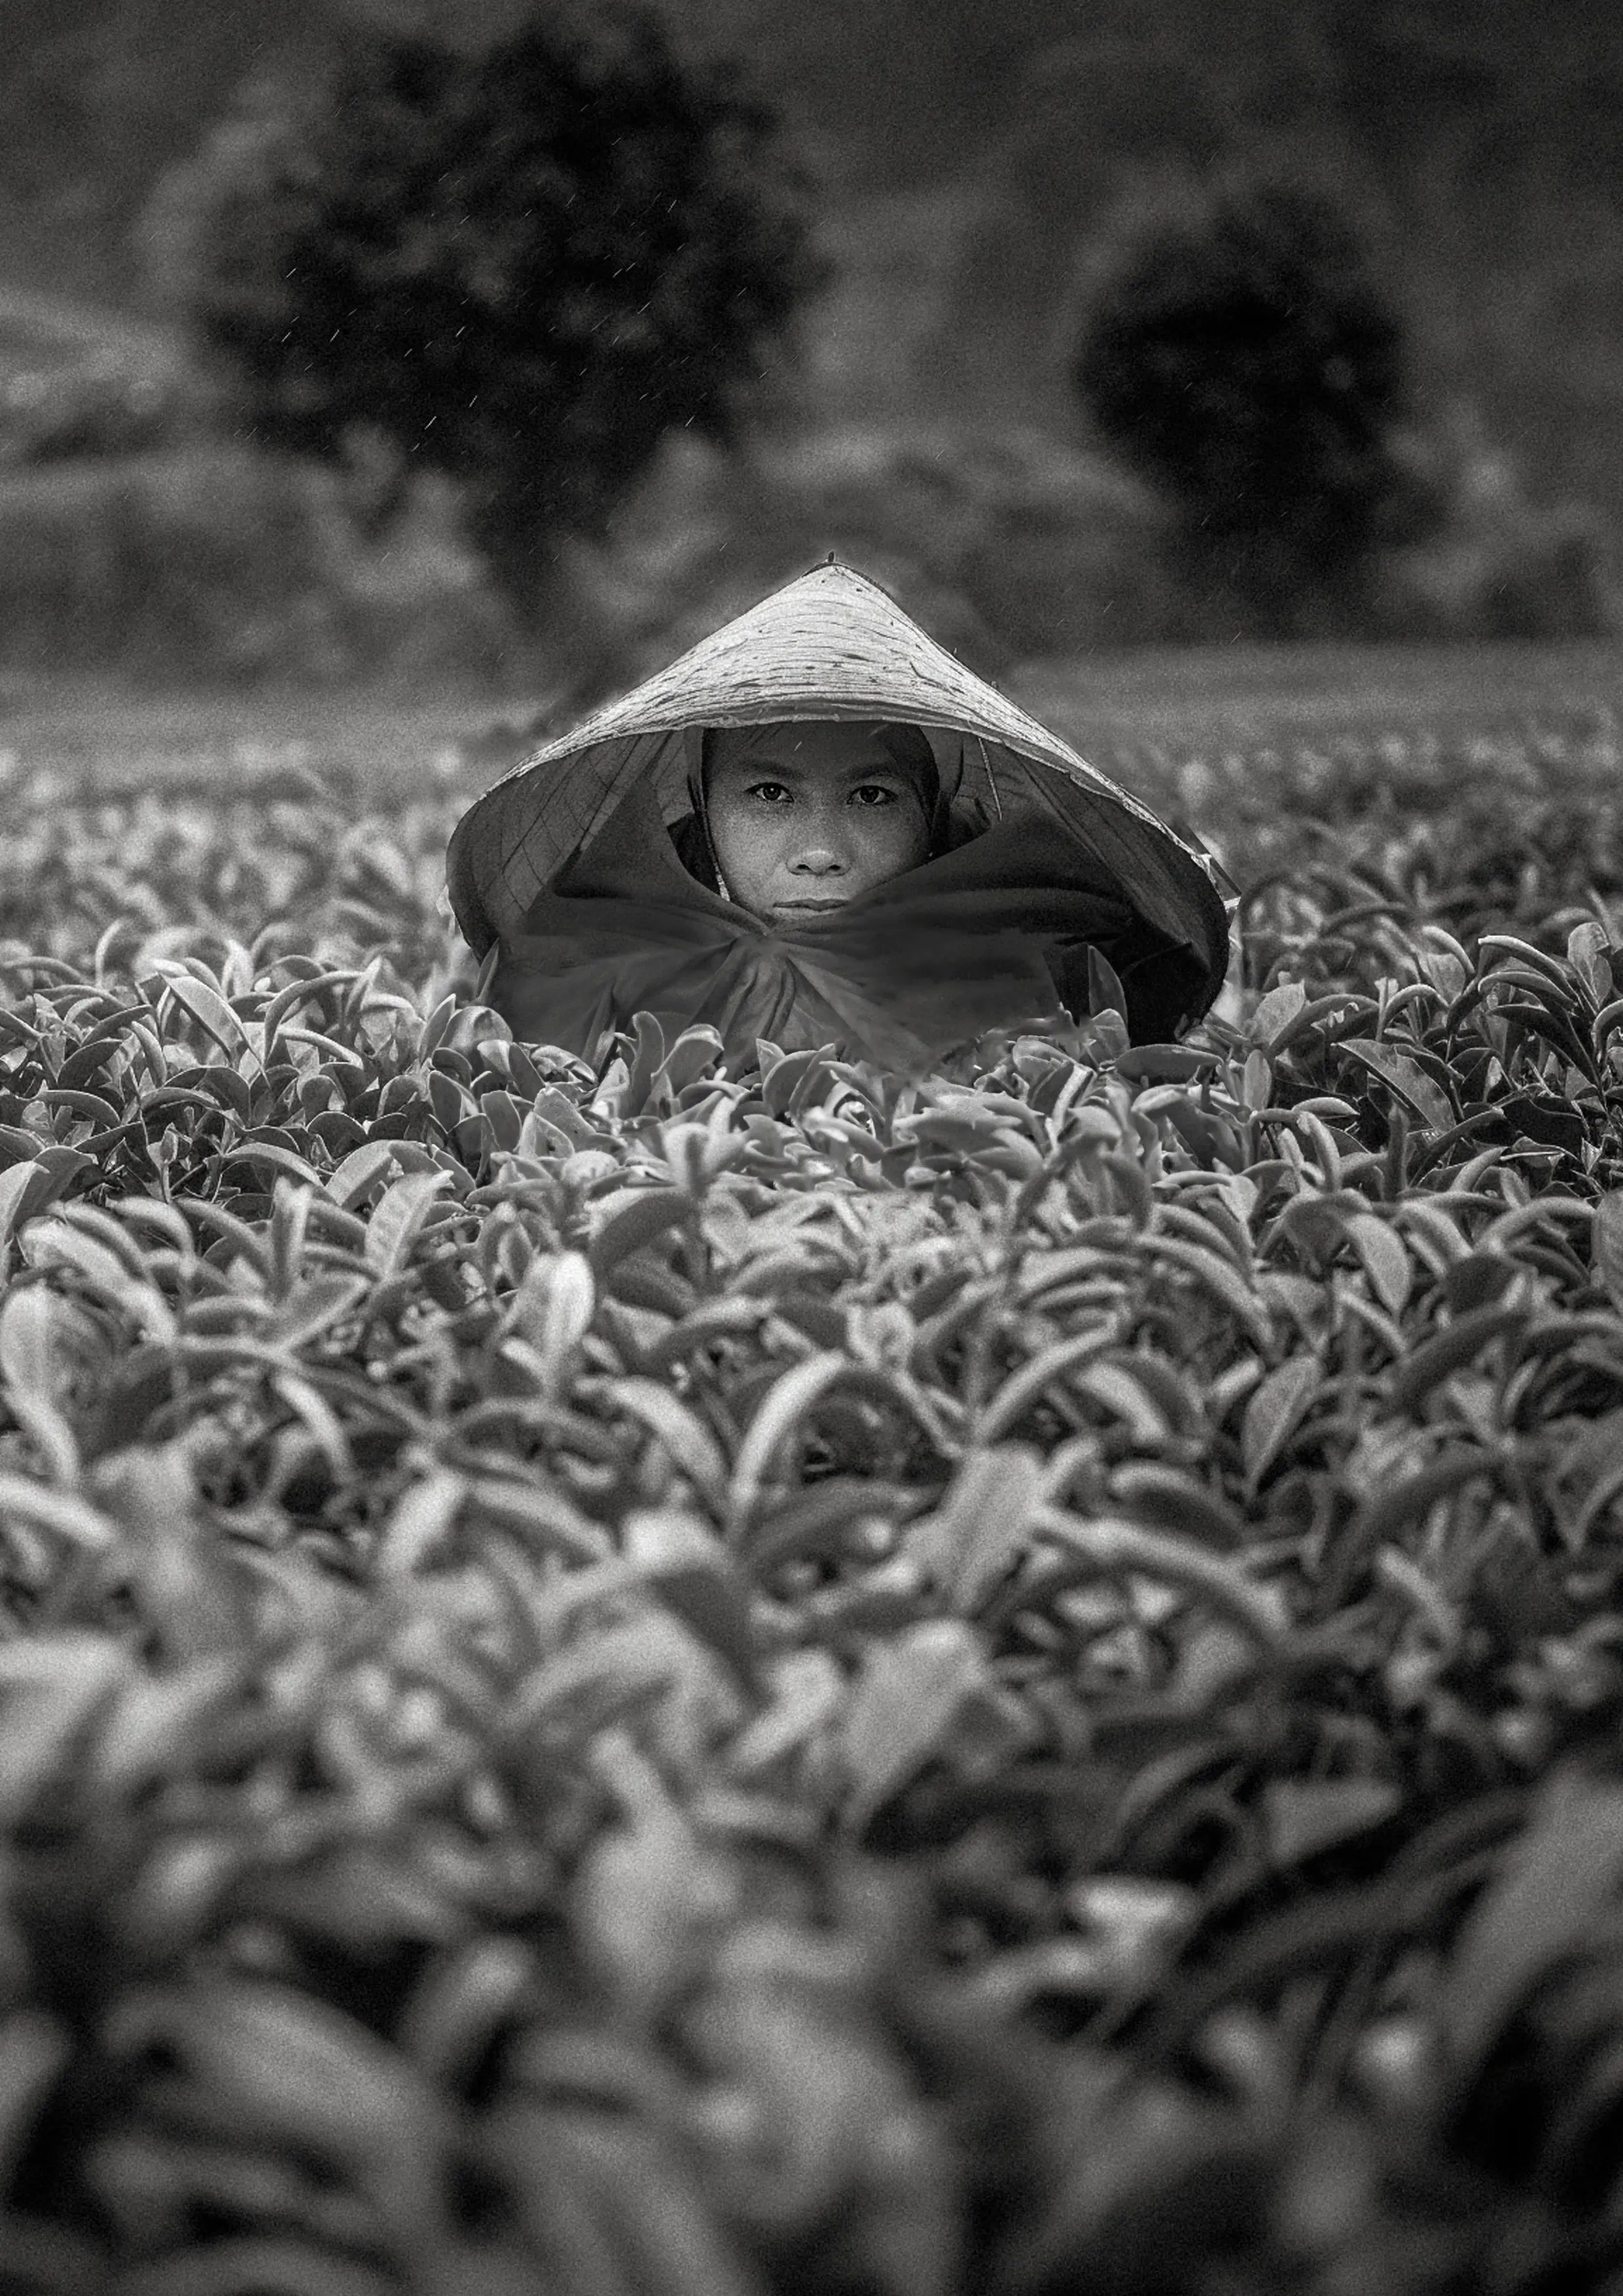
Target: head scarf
{"points": [[909, 749], [990, 931]]}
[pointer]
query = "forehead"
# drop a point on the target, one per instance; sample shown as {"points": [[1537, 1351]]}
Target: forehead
{"points": [[817, 748]]}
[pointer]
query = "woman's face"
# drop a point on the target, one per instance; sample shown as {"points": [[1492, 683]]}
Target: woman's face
{"points": [[805, 817]]}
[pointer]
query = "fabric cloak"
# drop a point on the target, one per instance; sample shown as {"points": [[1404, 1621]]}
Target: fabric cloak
{"points": [[589, 868], [992, 933]]}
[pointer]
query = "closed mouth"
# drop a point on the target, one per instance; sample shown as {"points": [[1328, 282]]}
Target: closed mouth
{"points": [[814, 905]]}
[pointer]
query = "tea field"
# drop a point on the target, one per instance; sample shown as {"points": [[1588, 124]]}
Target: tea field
{"points": [[641, 1682]]}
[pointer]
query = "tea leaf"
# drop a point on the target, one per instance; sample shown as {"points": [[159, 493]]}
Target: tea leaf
{"points": [[553, 1307], [641, 1899], [1275, 1012], [1386, 1262], [1609, 1245], [1306, 1818], [677, 1426], [1274, 1412], [210, 1010], [779, 1417], [1563, 1876], [351, 1180], [1405, 1078], [906, 1698], [979, 1528], [396, 1220], [695, 1576]]}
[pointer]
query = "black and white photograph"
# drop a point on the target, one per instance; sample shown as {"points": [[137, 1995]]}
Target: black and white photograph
{"points": [[811, 1148]]}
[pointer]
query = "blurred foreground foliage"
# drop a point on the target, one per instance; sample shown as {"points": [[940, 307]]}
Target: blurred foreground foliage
{"points": [[641, 1680]]}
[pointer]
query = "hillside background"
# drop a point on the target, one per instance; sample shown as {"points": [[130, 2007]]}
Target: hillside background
{"points": [[967, 164]]}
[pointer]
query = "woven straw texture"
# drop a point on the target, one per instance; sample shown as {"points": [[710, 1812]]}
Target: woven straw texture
{"points": [[829, 644]]}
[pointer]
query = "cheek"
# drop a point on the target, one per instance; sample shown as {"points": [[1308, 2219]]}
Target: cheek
{"points": [[900, 833], [746, 839]]}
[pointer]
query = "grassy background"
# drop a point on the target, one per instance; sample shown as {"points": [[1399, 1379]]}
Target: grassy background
{"points": [[1118, 709]]}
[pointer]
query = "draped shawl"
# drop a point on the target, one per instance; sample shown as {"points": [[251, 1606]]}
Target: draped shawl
{"points": [[991, 933], [595, 908]]}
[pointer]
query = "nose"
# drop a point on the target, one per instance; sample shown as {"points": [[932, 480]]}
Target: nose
{"points": [[817, 861]]}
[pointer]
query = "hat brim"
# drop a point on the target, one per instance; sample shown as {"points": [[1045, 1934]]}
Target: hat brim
{"points": [[831, 645]]}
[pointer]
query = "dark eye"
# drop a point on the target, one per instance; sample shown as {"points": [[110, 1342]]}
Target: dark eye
{"points": [[873, 793], [770, 792]]}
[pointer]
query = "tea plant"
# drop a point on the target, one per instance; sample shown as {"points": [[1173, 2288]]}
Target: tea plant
{"points": [[631, 1678]]}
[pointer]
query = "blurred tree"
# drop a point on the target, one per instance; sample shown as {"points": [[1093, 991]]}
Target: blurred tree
{"points": [[523, 265], [1243, 357]]}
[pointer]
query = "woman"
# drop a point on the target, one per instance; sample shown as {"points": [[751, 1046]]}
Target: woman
{"points": [[819, 827]]}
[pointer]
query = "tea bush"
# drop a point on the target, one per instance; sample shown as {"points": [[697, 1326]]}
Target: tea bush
{"points": [[631, 1679]]}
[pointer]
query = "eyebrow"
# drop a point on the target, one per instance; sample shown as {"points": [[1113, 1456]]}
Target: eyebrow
{"points": [[753, 761]]}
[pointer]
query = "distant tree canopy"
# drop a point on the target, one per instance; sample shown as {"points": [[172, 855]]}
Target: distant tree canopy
{"points": [[522, 268], [1245, 359]]}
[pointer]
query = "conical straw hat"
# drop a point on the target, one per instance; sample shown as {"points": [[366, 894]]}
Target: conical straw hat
{"points": [[829, 644]]}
